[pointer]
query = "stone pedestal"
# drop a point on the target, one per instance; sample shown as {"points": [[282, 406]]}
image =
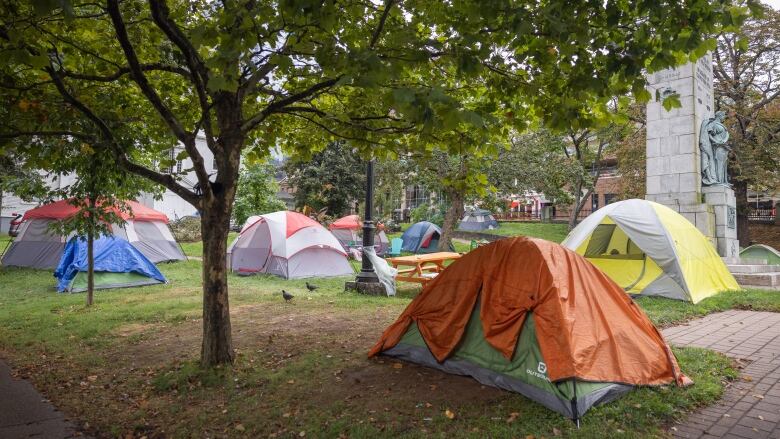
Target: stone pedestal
{"points": [[723, 203], [673, 155], [370, 288]]}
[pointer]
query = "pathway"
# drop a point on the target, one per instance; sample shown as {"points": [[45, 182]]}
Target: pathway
{"points": [[750, 407], [24, 413]]}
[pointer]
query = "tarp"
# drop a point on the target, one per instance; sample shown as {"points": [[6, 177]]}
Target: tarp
{"points": [[63, 209], [587, 327], [111, 255], [649, 249], [351, 222]]}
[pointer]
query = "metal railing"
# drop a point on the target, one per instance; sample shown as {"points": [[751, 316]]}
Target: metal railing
{"points": [[762, 215], [556, 215]]}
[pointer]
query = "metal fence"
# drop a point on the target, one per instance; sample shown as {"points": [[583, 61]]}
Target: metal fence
{"points": [[762, 215], [557, 215]]}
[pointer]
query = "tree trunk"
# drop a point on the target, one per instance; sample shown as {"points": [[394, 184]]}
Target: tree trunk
{"points": [[90, 267], [451, 219], [91, 251], [217, 347], [743, 231]]}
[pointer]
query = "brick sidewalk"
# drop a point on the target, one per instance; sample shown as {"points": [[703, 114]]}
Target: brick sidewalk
{"points": [[749, 408]]}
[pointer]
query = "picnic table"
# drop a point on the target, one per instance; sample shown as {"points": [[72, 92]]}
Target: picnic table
{"points": [[421, 268]]}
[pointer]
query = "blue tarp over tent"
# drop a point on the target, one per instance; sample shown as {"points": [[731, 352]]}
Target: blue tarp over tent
{"points": [[112, 255], [422, 237]]}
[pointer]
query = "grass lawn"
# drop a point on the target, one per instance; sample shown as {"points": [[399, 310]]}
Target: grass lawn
{"points": [[549, 231], [128, 365], [196, 248]]}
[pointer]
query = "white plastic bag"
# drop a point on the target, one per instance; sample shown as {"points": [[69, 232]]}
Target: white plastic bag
{"points": [[383, 270]]}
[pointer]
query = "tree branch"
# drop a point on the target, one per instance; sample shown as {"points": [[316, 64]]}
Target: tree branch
{"points": [[381, 25], [276, 106], [166, 180], [138, 75], [186, 138], [125, 70]]}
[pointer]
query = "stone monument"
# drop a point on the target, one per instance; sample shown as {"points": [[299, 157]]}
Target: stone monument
{"points": [[687, 153]]}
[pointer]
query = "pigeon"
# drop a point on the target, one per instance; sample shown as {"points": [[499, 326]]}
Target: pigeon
{"points": [[311, 287], [287, 296]]}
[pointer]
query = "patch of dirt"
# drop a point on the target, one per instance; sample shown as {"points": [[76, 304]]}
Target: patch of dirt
{"points": [[338, 384]]}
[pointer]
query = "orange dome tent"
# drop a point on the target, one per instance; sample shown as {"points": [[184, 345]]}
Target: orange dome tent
{"points": [[533, 317]]}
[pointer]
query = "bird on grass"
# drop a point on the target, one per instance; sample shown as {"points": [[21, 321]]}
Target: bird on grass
{"points": [[287, 296], [311, 287]]}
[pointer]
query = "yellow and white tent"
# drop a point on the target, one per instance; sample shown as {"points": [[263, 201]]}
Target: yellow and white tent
{"points": [[649, 249]]}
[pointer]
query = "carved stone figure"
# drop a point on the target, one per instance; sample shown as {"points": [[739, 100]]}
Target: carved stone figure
{"points": [[714, 150]]}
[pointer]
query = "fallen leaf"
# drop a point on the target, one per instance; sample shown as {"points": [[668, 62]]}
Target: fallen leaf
{"points": [[449, 414], [530, 436], [758, 396], [639, 406], [287, 415], [92, 378], [760, 417], [726, 415], [556, 432], [432, 386], [397, 365], [512, 417], [290, 381], [428, 405], [240, 427], [302, 434], [747, 378]]}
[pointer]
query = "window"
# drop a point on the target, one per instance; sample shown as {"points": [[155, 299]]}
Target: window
{"points": [[179, 164], [609, 198], [594, 202], [172, 158]]}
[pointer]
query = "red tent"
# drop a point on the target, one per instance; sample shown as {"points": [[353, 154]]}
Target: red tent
{"points": [[349, 222], [64, 209]]}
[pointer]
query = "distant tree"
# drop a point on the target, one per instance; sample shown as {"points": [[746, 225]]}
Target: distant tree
{"points": [[257, 192], [334, 178], [19, 179], [747, 86], [631, 154], [100, 192], [390, 180], [534, 162]]}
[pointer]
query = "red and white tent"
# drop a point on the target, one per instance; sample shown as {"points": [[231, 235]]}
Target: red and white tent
{"points": [[36, 246], [349, 231], [289, 245]]}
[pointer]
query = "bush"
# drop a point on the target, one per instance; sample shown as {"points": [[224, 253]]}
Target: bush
{"points": [[424, 212], [186, 229]]}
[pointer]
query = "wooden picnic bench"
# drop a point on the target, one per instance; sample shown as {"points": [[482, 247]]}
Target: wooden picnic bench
{"points": [[421, 268]]}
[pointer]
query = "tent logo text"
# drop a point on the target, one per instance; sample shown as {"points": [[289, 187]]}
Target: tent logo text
{"points": [[542, 371]]}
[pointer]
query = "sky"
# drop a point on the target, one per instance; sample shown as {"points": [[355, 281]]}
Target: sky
{"points": [[773, 3]]}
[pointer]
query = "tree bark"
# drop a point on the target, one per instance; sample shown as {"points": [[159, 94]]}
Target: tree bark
{"points": [[90, 267], [451, 219], [743, 231], [217, 347]]}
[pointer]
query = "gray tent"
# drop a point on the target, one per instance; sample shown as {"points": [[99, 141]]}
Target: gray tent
{"points": [[36, 246], [478, 219]]}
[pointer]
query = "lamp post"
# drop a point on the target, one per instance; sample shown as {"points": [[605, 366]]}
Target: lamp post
{"points": [[367, 273]]}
